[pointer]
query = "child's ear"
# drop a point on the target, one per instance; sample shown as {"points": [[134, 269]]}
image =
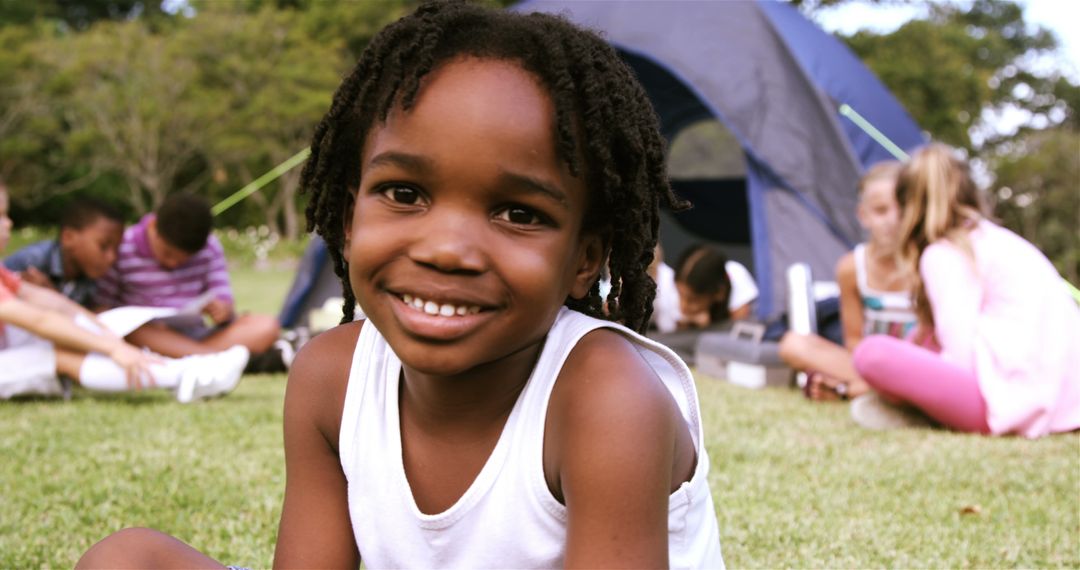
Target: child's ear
{"points": [[594, 253]]}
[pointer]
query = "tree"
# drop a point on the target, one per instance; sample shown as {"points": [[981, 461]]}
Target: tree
{"points": [[275, 82], [77, 14], [953, 69], [132, 107], [1038, 181]]}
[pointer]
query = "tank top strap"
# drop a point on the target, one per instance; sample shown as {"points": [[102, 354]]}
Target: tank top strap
{"points": [[372, 360], [861, 280]]}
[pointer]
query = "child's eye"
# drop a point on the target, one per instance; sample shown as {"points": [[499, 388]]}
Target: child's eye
{"points": [[520, 215], [402, 194]]}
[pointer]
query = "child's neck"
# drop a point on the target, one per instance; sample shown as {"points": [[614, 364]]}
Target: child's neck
{"points": [[478, 396], [881, 255]]}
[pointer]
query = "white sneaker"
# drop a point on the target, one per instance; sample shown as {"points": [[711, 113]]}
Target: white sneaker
{"points": [[871, 411], [207, 375]]}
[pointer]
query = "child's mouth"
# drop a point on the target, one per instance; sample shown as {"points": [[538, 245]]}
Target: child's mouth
{"points": [[438, 309]]}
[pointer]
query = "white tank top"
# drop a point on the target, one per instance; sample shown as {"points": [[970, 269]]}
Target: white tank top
{"points": [[507, 518], [884, 312]]}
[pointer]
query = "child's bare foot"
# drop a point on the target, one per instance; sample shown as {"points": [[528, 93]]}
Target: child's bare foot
{"points": [[823, 388]]}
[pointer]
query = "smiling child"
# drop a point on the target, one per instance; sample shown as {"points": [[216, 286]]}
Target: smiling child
{"points": [[475, 172]]}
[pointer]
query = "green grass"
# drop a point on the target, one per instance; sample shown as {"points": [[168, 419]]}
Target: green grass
{"points": [[795, 485]]}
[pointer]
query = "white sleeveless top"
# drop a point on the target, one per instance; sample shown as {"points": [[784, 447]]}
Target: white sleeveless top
{"points": [[507, 518], [884, 312]]}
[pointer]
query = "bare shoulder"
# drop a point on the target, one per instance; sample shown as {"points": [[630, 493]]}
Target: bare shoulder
{"points": [[607, 397], [320, 375], [605, 370]]}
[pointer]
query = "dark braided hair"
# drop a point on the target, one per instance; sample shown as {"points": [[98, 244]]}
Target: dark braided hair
{"points": [[606, 132]]}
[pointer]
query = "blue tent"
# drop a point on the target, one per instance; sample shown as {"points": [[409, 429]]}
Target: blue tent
{"points": [[775, 81]]}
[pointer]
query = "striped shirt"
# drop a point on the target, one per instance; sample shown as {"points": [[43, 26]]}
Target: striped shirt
{"points": [[138, 279]]}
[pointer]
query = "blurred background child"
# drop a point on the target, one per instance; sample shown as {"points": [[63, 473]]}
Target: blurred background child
{"points": [[875, 295], [171, 259], [712, 288], [82, 252], [44, 335], [1000, 334]]}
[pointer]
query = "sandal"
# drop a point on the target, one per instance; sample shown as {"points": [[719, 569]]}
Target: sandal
{"points": [[826, 392]]}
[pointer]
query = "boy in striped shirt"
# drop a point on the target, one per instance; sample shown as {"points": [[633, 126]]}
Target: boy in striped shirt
{"points": [[171, 259]]}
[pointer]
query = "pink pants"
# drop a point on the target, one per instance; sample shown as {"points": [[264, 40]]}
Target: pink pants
{"points": [[910, 373]]}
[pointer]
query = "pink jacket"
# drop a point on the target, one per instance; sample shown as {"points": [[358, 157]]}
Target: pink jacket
{"points": [[1009, 318]]}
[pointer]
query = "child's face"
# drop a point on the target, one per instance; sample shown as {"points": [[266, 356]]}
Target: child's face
{"points": [[693, 303], [5, 221], [879, 212], [166, 254], [466, 236], [93, 248]]}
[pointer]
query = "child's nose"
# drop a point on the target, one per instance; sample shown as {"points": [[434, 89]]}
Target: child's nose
{"points": [[450, 242]]}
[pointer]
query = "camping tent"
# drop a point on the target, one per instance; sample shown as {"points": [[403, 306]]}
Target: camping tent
{"points": [[775, 82]]}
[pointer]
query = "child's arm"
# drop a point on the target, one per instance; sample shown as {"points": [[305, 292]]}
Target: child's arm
{"points": [[52, 300], [851, 310], [742, 312], [616, 446], [221, 309], [315, 531], [62, 331]]}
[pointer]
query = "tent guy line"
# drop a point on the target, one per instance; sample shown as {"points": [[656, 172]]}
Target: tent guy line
{"points": [[257, 184], [875, 134]]}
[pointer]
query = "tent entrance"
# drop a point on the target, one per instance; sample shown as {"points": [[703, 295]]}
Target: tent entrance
{"points": [[707, 166]]}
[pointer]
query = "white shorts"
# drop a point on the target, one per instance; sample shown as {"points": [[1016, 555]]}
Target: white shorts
{"points": [[27, 365]]}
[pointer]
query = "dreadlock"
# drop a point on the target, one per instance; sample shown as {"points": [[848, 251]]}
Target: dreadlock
{"points": [[605, 130]]}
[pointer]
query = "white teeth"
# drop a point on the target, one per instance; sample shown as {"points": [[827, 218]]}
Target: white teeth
{"points": [[443, 310]]}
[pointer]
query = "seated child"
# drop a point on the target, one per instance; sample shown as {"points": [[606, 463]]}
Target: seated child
{"points": [[875, 294], [712, 288], [474, 173], [44, 334], [84, 250], [1003, 354], [170, 259]]}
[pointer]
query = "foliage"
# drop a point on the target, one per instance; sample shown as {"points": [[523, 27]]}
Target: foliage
{"points": [[78, 14], [1038, 180], [131, 106], [953, 69], [275, 82]]}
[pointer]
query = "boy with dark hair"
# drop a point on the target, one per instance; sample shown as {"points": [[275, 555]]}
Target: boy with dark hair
{"points": [[171, 259], [82, 252]]}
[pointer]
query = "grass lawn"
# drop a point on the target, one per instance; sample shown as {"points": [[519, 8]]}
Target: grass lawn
{"points": [[795, 484]]}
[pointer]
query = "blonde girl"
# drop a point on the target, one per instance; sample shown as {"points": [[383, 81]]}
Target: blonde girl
{"points": [[999, 349]]}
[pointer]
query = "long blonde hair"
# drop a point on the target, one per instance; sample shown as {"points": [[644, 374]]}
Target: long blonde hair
{"points": [[939, 201]]}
